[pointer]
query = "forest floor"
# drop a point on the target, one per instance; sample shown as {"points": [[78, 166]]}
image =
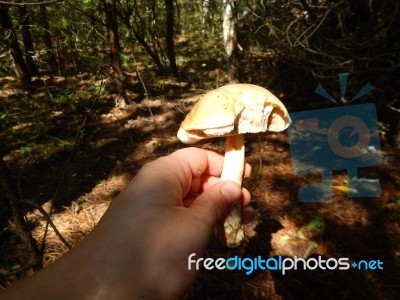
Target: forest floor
{"points": [[71, 152]]}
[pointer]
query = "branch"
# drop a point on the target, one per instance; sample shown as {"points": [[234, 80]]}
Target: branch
{"points": [[84, 13], [29, 3], [48, 219], [393, 108]]}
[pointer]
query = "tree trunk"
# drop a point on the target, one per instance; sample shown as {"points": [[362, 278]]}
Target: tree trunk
{"points": [[20, 67], [27, 40], [229, 26], [137, 27], [148, 49], [169, 37], [51, 57], [10, 192], [205, 17], [115, 51]]}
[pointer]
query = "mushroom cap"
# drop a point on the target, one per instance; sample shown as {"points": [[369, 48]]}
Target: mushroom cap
{"points": [[234, 109]]}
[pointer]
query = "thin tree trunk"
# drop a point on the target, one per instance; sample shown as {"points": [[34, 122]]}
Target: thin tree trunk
{"points": [[205, 17], [148, 49], [10, 192], [153, 30], [115, 51], [44, 22], [169, 38], [20, 67], [27, 40], [137, 27], [229, 26]]}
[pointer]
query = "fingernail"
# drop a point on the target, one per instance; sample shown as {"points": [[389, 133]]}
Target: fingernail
{"points": [[231, 191]]}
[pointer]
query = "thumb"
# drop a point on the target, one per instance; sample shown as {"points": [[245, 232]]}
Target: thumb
{"points": [[214, 204]]}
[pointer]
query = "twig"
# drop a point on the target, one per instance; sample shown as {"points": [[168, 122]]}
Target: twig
{"points": [[393, 108], [143, 85], [10, 3], [49, 221]]}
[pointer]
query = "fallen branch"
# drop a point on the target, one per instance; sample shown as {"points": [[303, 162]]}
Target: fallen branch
{"points": [[49, 221]]}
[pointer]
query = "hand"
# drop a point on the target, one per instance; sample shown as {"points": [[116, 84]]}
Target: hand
{"points": [[140, 247]]}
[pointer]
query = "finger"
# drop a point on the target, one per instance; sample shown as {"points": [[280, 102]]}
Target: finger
{"points": [[214, 204], [202, 183], [247, 214], [204, 161], [247, 211], [247, 170], [205, 182], [246, 197], [200, 160], [171, 177]]}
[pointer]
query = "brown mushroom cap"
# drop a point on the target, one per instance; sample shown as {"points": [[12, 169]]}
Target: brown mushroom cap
{"points": [[234, 109]]}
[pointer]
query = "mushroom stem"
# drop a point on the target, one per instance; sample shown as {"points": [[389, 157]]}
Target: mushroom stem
{"points": [[233, 170]]}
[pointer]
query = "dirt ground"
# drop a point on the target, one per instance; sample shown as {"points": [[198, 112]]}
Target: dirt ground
{"points": [[105, 147]]}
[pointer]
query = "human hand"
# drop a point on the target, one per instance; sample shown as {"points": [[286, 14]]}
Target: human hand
{"points": [[173, 206], [140, 247]]}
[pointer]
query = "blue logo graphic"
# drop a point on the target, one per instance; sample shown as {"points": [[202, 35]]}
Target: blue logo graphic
{"points": [[340, 138]]}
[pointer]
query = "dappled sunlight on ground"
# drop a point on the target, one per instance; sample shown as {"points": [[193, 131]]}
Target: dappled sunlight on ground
{"points": [[82, 153]]}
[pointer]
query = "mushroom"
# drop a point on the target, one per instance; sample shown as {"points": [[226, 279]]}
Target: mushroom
{"points": [[233, 111]]}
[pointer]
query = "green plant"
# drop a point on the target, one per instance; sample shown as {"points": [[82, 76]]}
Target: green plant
{"points": [[124, 61], [316, 223], [26, 150]]}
